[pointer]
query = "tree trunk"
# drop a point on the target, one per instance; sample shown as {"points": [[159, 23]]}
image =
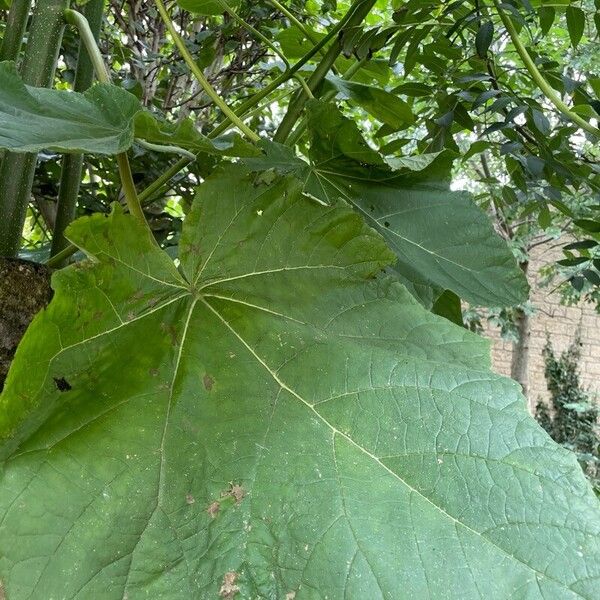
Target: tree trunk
{"points": [[519, 367]]}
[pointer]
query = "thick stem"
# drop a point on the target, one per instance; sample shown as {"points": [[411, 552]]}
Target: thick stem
{"points": [[18, 170], [15, 29], [131, 197], [72, 164], [354, 17], [538, 78]]}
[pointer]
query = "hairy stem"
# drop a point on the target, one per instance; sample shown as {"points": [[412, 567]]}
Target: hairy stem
{"points": [[15, 29], [199, 75], [18, 170], [72, 164], [538, 78]]}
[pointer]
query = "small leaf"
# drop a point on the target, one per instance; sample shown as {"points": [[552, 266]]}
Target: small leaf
{"points": [[99, 121], [546, 14], [185, 135], [575, 24], [577, 282], [581, 245], [484, 38], [206, 7], [592, 276], [448, 306], [381, 104], [544, 217], [588, 225], [573, 262]]}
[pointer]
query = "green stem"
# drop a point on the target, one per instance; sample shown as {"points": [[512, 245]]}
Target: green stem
{"points": [[129, 191], [206, 86], [538, 78], [18, 170], [87, 37], [72, 164], [148, 193], [90, 42], [300, 129], [354, 17], [15, 29], [166, 149], [294, 21], [145, 197], [278, 81]]}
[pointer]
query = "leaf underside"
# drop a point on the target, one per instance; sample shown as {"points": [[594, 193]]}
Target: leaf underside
{"points": [[33, 119], [278, 418], [443, 241]]}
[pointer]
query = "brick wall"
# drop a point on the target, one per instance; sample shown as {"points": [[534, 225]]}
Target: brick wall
{"points": [[561, 323]]}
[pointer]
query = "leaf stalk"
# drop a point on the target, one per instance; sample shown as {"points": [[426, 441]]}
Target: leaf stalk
{"points": [[538, 78]]}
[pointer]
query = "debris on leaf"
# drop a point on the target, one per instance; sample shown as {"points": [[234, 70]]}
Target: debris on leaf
{"points": [[228, 588], [208, 382], [235, 491], [213, 509]]}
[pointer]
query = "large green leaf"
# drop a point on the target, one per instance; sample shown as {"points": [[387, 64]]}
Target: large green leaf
{"points": [[33, 119], [277, 421], [442, 239]]}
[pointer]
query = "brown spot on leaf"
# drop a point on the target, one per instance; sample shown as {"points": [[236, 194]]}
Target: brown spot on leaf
{"points": [[208, 382], [170, 330], [228, 588], [213, 509], [190, 499], [290, 596], [2, 592], [153, 372], [235, 491]]}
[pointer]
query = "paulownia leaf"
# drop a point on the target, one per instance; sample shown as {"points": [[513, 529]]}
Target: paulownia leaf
{"points": [[32, 119], [442, 239], [278, 421]]}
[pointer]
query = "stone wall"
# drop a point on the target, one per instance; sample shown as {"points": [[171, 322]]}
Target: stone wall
{"points": [[561, 324]]}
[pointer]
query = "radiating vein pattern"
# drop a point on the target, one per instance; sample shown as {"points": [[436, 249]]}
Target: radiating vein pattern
{"points": [[282, 411]]}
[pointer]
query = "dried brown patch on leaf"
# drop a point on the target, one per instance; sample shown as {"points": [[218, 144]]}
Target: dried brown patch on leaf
{"points": [[228, 588], [213, 509], [235, 491], [189, 499], [208, 382], [290, 596]]}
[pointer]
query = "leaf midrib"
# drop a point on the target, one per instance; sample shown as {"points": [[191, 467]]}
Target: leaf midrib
{"points": [[336, 431]]}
